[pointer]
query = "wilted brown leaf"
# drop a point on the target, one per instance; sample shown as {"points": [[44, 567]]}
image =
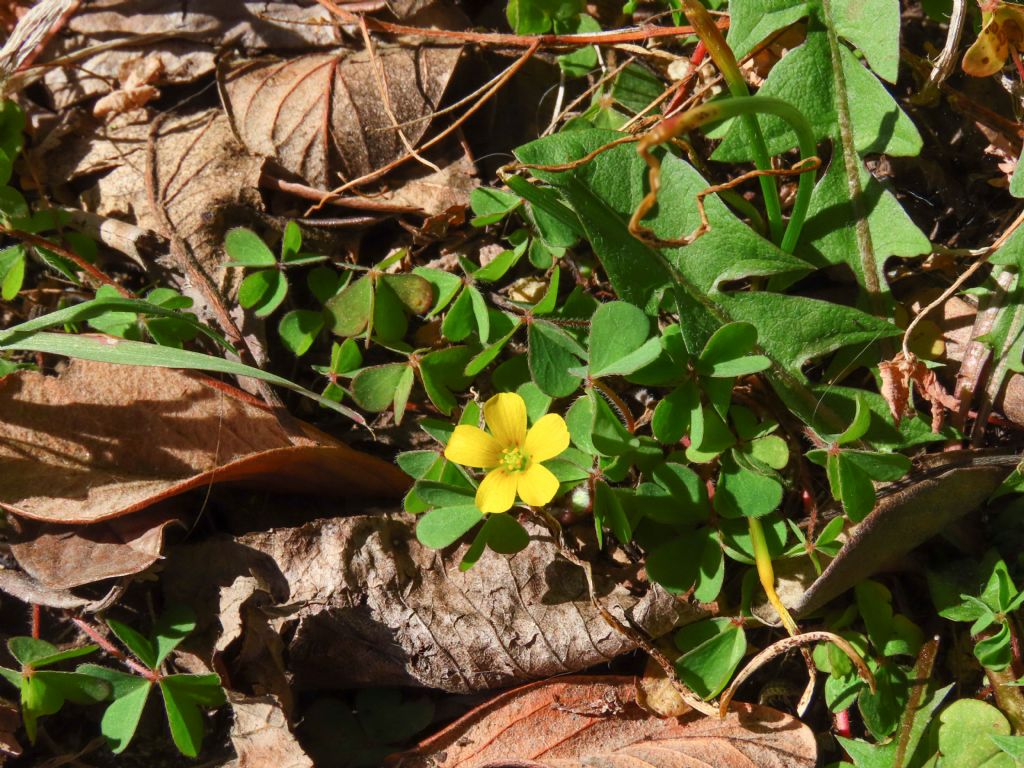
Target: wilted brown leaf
{"points": [[261, 736], [101, 441], [378, 608], [323, 117], [580, 721], [63, 557], [186, 37]]}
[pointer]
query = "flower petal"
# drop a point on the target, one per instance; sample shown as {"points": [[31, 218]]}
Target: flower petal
{"points": [[472, 447], [537, 485], [547, 438], [497, 492], [505, 414]]}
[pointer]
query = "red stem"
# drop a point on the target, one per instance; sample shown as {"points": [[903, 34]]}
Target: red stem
{"points": [[113, 650]]}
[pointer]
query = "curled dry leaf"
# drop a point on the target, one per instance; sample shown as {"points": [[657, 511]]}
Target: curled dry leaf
{"points": [[101, 441], [579, 721], [947, 487], [185, 35], [378, 608], [324, 117], [897, 377], [62, 557], [261, 736]]}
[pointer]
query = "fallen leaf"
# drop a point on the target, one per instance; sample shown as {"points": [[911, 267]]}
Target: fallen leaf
{"points": [[379, 609], [136, 87], [322, 116], [186, 36], [100, 441], [590, 721], [897, 377], [942, 489], [63, 557], [656, 694], [261, 736]]}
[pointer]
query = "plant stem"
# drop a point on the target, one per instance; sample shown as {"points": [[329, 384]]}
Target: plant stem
{"points": [[766, 574], [724, 59]]}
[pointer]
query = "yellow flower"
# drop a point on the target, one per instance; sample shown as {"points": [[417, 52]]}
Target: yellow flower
{"points": [[512, 455]]}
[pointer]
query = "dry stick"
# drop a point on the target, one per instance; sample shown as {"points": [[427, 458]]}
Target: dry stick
{"points": [[644, 234], [385, 95], [638, 638], [787, 644], [498, 84], [629, 35], [944, 296], [947, 58]]}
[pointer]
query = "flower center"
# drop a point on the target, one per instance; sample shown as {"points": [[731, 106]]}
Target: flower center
{"points": [[514, 460]]}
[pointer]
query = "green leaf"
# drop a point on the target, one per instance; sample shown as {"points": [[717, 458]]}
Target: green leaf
{"points": [[741, 492], [480, 314], [608, 509], [299, 329], [263, 291], [175, 624], [712, 650], [36, 653], [352, 308], [414, 292], [446, 285], [676, 564], [441, 372], [136, 642], [460, 320], [499, 266], [491, 205], [444, 526], [583, 60], [995, 652], [551, 353], [73, 686], [504, 534], [247, 249], [12, 271], [671, 417], [291, 241], [855, 488], [543, 200], [956, 734], [617, 329], [375, 388], [711, 574], [389, 316], [183, 696], [121, 718], [1011, 745], [859, 426], [879, 466]]}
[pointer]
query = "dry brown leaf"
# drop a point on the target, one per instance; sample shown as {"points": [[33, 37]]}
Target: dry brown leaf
{"points": [[322, 116], [655, 693], [260, 735], [897, 377], [381, 609], [62, 557], [185, 35], [433, 193], [101, 441], [580, 721]]}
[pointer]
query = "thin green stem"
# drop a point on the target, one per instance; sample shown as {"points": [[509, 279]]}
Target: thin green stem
{"points": [[724, 59]]}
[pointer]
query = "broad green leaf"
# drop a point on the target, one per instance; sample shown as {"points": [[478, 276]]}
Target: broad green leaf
{"points": [[963, 735], [995, 652], [504, 534], [499, 266], [545, 200], [12, 271], [402, 392], [441, 372], [416, 464], [617, 329], [712, 650], [415, 292], [438, 494], [675, 565], [741, 492], [770, 450], [1011, 745], [711, 574], [446, 285], [442, 527], [374, 388], [687, 491], [389, 314], [859, 426], [879, 466], [75, 687], [480, 313], [39, 653], [247, 249], [551, 353]]}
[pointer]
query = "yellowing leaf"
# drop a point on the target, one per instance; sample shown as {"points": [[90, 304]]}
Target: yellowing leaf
{"points": [[1003, 30]]}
